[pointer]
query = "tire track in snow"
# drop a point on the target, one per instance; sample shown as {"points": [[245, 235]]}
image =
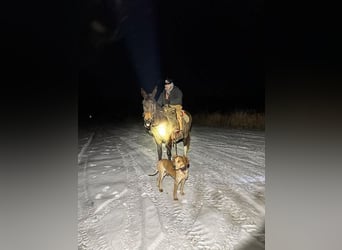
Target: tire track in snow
{"points": [[84, 147], [182, 223], [89, 228], [232, 160], [231, 204], [254, 180]]}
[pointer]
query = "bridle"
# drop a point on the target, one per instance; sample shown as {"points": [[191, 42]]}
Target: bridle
{"points": [[148, 114]]}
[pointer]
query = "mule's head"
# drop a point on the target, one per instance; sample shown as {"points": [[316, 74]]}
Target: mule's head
{"points": [[149, 106]]}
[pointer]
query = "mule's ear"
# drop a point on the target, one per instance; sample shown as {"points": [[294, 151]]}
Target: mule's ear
{"points": [[143, 93], [154, 92]]}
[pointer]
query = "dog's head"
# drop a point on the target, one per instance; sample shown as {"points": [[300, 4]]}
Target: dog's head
{"points": [[180, 162]]}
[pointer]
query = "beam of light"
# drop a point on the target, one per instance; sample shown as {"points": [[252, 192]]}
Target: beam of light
{"points": [[140, 35]]}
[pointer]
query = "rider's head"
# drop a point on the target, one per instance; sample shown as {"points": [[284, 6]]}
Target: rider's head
{"points": [[168, 84]]}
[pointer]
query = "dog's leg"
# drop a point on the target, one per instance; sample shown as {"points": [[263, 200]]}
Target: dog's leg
{"points": [[160, 181], [182, 186], [175, 188]]}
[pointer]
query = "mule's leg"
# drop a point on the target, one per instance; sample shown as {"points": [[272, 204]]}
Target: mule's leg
{"points": [[159, 151], [186, 145], [168, 150]]}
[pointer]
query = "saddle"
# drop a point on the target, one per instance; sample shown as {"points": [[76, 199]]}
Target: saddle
{"points": [[171, 115]]}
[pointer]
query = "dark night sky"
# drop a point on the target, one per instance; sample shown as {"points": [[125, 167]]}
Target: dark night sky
{"points": [[212, 49]]}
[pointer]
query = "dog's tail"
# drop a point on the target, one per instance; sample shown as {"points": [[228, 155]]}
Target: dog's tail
{"points": [[154, 173]]}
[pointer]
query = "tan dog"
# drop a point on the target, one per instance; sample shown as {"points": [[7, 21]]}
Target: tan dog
{"points": [[177, 168]]}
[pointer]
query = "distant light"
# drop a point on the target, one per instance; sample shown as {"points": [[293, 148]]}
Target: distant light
{"points": [[90, 116]]}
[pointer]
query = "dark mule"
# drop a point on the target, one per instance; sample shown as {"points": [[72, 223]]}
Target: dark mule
{"points": [[161, 124]]}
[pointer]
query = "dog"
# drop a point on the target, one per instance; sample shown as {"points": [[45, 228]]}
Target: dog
{"points": [[177, 168]]}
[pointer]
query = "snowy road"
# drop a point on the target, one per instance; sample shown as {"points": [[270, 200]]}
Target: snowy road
{"points": [[120, 207]]}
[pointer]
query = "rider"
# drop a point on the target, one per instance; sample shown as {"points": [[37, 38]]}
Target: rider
{"points": [[173, 96]]}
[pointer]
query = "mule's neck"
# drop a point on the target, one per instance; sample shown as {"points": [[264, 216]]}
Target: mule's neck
{"points": [[158, 115]]}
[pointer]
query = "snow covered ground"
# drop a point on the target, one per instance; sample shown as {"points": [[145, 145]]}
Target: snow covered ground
{"points": [[120, 207]]}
